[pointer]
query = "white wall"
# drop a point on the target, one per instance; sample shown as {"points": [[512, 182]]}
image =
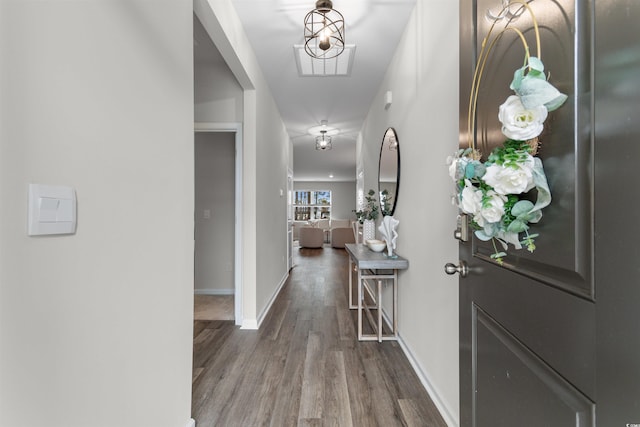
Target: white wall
{"points": [[343, 196], [218, 96], [266, 159], [96, 327], [215, 196], [423, 77], [218, 99], [271, 234]]}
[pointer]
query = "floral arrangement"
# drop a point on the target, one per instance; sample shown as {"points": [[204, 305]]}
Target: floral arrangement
{"points": [[370, 209], [385, 202], [497, 193]]}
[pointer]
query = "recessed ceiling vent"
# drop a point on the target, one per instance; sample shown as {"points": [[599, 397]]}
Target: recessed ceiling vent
{"points": [[314, 67]]}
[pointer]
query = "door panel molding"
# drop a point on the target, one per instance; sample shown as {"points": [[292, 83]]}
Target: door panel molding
{"points": [[573, 282], [532, 375], [564, 255]]}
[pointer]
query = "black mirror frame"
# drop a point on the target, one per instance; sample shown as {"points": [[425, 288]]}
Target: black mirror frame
{"points": [[395, 197]]}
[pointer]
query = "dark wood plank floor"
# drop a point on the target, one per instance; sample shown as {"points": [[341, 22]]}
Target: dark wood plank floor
{"points": [[305, 367]]}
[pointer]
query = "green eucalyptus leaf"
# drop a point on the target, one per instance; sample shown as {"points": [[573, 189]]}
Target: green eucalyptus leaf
{"points": [[518, 75], [521, 208], [517, 226], [534, 92], [469, 171], [480, 170], [533, 74], [480, 234], [556, 102], [536, 64], [534, 216]]}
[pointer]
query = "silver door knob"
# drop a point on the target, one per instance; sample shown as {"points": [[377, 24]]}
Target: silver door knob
{"points": [[461, 268]]}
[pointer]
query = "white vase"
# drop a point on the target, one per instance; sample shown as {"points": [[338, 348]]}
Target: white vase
{"points": [[368, 230]]}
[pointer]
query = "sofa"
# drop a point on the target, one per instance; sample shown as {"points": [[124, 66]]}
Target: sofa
{"points": [[311, 237]]}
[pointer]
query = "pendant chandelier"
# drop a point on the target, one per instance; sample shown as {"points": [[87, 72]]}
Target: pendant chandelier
{"points": [[323, 141], [323, 134], [324, 31]]}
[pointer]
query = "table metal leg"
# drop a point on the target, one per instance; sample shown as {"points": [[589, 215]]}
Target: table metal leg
{"points": [[359, 304], [395, 303], [350, 283], [379, 305]]}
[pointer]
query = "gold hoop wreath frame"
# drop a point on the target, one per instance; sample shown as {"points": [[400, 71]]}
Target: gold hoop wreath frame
{"points": [[494, 193]]}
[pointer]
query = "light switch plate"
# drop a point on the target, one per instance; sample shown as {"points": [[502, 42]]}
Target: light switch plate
{"points": [[52, 210]]}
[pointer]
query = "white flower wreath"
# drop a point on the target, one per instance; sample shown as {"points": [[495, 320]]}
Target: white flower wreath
{"points": [[492, 192]]}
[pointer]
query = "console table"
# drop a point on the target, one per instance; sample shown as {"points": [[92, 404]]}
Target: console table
{"points": [[373, 269]]}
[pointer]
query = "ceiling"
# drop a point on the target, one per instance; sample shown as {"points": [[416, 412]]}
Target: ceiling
{"points": [[274, 26]]}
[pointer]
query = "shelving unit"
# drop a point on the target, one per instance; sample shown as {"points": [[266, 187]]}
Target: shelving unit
{"points": [[311, 204]]}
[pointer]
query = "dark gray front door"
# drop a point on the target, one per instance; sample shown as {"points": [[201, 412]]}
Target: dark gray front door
{"points": [[528, 327]]}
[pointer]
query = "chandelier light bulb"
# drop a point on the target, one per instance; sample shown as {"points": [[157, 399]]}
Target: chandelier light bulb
{"points": [[324, 44], [325, 39]]}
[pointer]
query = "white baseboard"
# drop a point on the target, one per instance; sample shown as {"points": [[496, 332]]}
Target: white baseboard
{"points": [[191, 423], [249, 324], [214, 291], [449, 418], [255, 323], [264, 312]]}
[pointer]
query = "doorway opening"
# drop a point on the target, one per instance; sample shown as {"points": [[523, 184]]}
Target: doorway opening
{"points": [[217, 233]]}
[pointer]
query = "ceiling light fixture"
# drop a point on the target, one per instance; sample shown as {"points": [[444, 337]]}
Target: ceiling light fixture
{"points": [[323, 141], [324, 31], [323, 134]]}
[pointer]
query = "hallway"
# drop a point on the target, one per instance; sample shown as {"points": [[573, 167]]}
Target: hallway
{"points": [[304, 366]]}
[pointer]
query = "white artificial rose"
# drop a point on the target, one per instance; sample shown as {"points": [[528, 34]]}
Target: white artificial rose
{"points": [[471, 199], [453, 167], [511, 180], [457, 166], [493, 210], [479, 219], [520, 123]]}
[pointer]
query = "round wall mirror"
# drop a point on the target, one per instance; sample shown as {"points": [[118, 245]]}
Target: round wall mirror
{"points": [[389, 172]]}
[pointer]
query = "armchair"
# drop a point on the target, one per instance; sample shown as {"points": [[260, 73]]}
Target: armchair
{"points": [[311, 237], [342, 235]]}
